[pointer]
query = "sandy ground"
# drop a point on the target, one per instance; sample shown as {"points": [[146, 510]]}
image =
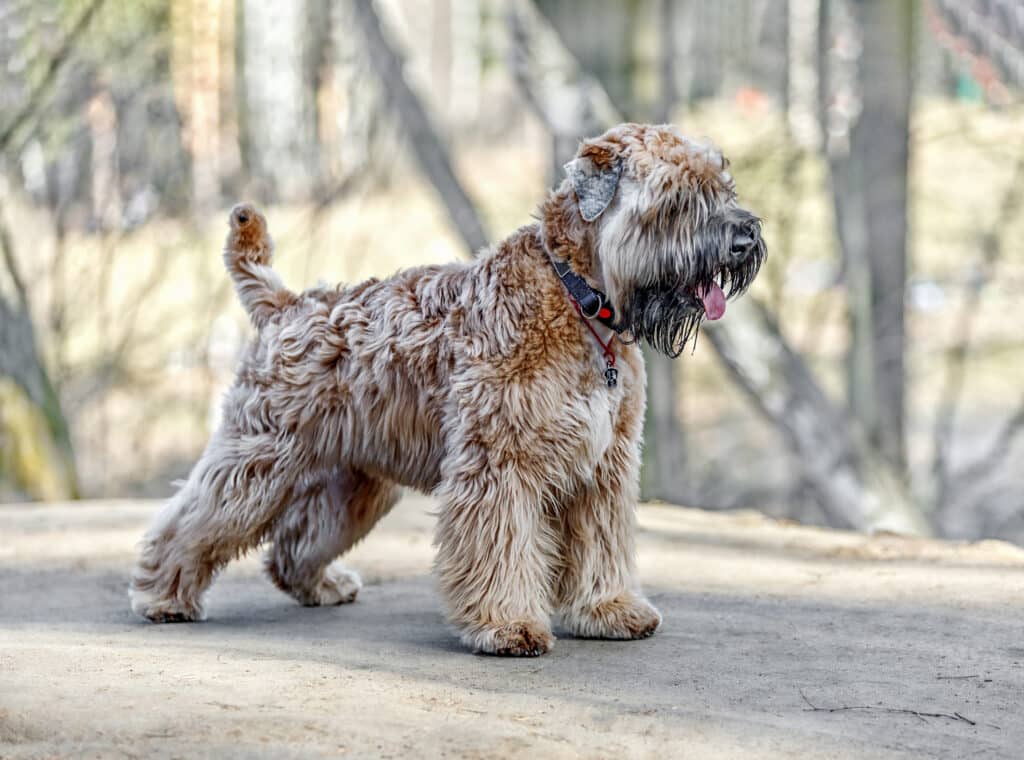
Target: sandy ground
{"points": [[917, 646]]}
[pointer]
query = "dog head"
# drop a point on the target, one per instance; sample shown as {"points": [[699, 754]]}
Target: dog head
{"points": [[669, 240]]}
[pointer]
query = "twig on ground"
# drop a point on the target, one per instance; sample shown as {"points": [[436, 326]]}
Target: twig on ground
{"points": [[878, 708]]}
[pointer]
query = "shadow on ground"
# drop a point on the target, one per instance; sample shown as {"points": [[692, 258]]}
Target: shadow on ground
{"points": [[755, 649]]}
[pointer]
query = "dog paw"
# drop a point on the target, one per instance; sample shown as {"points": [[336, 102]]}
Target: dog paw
{"points": [[338, 585], [521, 638], [166, 610], [627, 616]]}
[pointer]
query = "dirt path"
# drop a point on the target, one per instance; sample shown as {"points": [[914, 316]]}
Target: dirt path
{"points": [[763, 621]]}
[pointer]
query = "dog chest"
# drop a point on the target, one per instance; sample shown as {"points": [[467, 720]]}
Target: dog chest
{"points": [[600, 412]]}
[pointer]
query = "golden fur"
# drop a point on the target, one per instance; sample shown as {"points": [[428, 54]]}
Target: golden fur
{"points": [[475, 382]]}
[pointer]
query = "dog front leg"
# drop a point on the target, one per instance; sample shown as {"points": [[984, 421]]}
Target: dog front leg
{"points": [[598, 591], [494, 561]]}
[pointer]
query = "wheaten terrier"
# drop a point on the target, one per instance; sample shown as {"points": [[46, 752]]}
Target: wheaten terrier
{"points": [[510, 388]]}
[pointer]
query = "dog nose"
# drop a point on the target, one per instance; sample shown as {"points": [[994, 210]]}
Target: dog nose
{"points": [[741, 244]]}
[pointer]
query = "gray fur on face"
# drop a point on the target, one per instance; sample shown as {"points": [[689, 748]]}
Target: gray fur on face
{"points": [[594, 187], [659, 304]]}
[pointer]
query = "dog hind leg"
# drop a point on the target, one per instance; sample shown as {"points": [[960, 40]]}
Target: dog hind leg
{"points": [[230, 500], [324, 521]]}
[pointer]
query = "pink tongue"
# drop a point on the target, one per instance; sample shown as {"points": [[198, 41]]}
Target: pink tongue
{"points": [[714, 301]]}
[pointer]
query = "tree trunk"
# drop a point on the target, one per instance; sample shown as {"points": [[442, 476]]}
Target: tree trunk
{"points": [[664, 465], [36, 452], [869, 184], [277, 105], [602, 41], [196, 64], [665, 470]]}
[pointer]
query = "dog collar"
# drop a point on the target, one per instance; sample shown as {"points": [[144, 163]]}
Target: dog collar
{"points": [[590, 302], [611, 374]]}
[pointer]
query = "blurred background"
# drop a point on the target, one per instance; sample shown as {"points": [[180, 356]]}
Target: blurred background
{"points": [[872, 379]]}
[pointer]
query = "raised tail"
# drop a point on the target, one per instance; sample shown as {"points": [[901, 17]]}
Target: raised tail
{"points": [[247, 255]]}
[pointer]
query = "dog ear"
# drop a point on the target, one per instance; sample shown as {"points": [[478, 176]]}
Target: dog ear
{"points": [[594, 182]]}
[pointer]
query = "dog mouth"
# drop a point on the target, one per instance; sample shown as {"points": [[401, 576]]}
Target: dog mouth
{"points": [[667, 316], [712, 298], [712, 294]]}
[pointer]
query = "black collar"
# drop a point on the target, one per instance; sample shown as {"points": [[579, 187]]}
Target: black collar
{"points": [[592, 302]]}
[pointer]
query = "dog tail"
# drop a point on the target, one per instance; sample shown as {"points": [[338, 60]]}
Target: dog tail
{"points": [[247, 255]]}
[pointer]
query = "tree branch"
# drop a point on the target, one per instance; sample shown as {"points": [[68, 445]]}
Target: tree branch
{"points": [[991, 244], [52, 68], [430, 150], [11, 263], [996, 454], [21, 362], [854, 486]]}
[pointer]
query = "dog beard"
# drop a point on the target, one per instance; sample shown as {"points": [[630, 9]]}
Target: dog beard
{"points": [[664, 317], [667, 315]]}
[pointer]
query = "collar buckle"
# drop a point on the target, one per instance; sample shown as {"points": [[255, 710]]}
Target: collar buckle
{"points": [[592, 303]]}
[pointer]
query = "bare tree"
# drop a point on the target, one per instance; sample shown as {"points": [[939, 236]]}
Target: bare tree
{"points": [[854, 486], [569, 100], [950, 485], [278, 105], [50, 472], [34, 101], [868, 154]]}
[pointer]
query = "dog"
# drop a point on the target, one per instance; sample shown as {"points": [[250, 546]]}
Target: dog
{"points": [[511, 388]]}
